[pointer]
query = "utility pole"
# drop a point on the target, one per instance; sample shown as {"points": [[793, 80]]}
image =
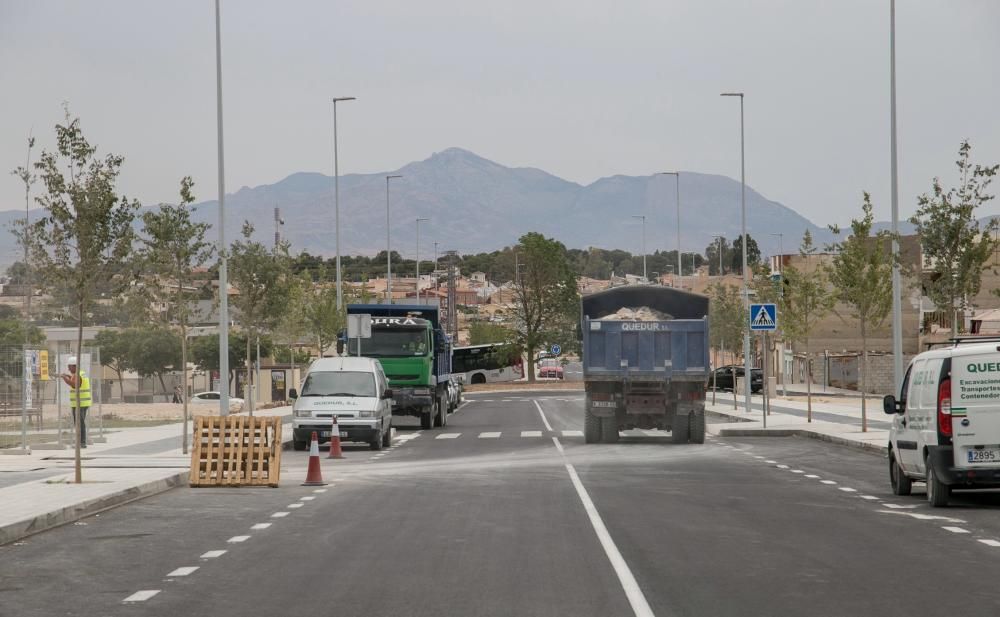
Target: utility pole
{"points": [[388, 246], [336, 197], [897, 308], [223, 263], [278, 224], [643, 217], [417, 285]]}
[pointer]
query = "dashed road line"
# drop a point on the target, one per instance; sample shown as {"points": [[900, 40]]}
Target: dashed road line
{"points": [[572, 433], [280, 514], [797, 471], [142, 596], [260, 526], [319, 490], [955, 529], [307, 498], [770, 462], [847, 490], [448, 436], [213, 554], [531, 433], [870, 497], [236, 539], [812, 476], [827, 481], [993, 543], [296, 505], [184, 571], [490, 435], [782, 466]]}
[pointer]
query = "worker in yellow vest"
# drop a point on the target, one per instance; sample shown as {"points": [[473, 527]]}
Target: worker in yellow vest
{"points": [[83, 404]]}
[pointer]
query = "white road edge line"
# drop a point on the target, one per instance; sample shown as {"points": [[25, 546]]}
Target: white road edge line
{"points": [[142, 596], [632, 591], [545, 420], [184, 571]]}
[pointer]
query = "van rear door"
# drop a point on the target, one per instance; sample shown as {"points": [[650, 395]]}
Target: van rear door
{"points": [[975, 410]]}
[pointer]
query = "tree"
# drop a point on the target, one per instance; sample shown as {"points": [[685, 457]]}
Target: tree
{"points": [[862, 278], [726, 319], [114, 353], [712, 256], [322, 319], [205, 352], [153, 351], [546, 301], [86, 232], [954, 246], [806, 299], [16, 332], [262, 276], [736, 256], [172, 247], [28, 179], [484, 332]]}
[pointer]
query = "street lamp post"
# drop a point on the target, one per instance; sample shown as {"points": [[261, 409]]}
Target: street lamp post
{"points": [[223, 263], [643, 217], [418, 258], [719, 238], [388, 246], [746, 273], [677, 177], [897, 309], [336, 196]]}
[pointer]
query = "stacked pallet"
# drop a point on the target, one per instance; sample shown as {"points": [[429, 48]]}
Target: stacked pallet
{"points": [[236, 451]]}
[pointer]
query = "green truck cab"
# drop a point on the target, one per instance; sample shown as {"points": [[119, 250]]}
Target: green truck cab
{"points": [[415, 354]]}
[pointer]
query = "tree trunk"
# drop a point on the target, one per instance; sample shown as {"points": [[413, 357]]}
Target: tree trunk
{"points": [[864, 374], [121, 384], [531, 365], [247, 391], [809, 392], [77, 463], [163, 384], [184, 388]]}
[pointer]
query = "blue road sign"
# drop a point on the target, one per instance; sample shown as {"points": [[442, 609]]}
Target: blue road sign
{"points": [[763, 317], [556, 349]]}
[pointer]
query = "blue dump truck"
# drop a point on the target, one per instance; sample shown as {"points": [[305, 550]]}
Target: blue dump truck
{"points": [[415, 354], [645, 362]]}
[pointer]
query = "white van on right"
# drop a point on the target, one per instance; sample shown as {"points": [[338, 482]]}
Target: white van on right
{"points": [[946, 424]]}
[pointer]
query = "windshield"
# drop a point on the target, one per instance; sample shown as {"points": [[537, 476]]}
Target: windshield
{"points": [[396, 342], [339, 383]]}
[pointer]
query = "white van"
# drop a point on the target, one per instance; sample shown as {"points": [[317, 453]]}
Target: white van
{"points": [[946, 425], [353, 389]]}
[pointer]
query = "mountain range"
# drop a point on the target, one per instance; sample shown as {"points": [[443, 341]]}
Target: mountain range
{"points": [[477, 205]]}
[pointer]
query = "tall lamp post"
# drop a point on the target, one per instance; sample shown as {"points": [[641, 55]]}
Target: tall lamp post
{"points": [[388, 246], [417, 285], [336, 196], [897, 309], [223, 263], [719, 238], [746, 272], [643, 217], [677, 178]]}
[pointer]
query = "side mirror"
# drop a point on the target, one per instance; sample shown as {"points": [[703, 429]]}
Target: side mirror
{"points": [[293, 393], [889, 404], [387, 393]]}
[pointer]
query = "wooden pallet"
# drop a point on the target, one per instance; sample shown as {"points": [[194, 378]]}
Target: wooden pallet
{"points": [[236, 451]]}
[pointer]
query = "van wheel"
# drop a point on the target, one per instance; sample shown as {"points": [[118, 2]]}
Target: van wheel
{"points": [[427, 419], [299, 446], [680, 430], [376, 444], [901, 484], [937, 491], [609, 429], [591, 425], [696, 427]]}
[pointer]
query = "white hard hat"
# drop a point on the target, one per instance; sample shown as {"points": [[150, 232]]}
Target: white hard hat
{"points": [[71, 361]]}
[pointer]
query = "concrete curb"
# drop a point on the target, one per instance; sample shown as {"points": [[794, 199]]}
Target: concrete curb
{"points": [[863, 446], [13, 532]]}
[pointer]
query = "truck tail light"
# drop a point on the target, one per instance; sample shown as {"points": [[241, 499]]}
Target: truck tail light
{"points": [[944, 407]]}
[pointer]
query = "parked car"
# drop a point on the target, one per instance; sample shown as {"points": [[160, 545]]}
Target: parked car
{"points": [[723, 379], [550, 367], [945, 426], [212, 398]]}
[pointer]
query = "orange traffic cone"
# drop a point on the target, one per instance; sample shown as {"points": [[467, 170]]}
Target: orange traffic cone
{"points": [[335, 451], [314, 477]]}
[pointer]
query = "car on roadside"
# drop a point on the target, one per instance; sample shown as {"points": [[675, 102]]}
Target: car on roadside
{"points": [[946, 421], [550, 368], [454, 395], [724, 378], [212, 398]]}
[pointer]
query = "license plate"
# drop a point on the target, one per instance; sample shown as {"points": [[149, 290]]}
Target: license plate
{"points": [[603, 404], [983, 456]]}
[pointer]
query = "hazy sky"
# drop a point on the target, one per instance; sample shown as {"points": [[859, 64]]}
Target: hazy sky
{"points": [[580, 89]]}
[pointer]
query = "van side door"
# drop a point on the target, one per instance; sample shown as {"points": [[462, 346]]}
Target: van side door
{"points": [[927, 434], [906, 425]]}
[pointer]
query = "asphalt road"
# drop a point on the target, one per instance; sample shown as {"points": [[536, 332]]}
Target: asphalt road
{"points": [[502, 513]]}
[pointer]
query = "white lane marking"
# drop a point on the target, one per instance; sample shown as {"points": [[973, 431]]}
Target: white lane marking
{"points": [[212, 554], [559, 447], [922, 517], [142, 596], [236, 539], [797, 471], [545, 420], [782, 466], [261, 526], [572, 433], [955, 529], [490, 435], [448, 436], [896, 506], [770, 462], [827, 481], [531, 433], [307, 498], [869, 497], [293, 506], [319, 490], [990, 542], [812, 475], [485, 400], [848, 490], [186, 570], [758, 456], [632, 591], [280, 514]]}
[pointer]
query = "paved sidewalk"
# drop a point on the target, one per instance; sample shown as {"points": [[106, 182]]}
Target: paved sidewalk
{"points": [[838, 422], [37, 493]]}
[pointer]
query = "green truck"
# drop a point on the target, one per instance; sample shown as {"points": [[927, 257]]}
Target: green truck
{"points": [[415, 354]]}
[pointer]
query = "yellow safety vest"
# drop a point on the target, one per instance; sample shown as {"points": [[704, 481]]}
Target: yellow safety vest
{"points": [[84, 392]]}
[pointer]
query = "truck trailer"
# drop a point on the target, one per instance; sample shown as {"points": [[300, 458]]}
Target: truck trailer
{"points": [[645, 362]]}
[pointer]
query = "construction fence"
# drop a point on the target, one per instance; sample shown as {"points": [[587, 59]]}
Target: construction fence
{"points": [[35, 410]]}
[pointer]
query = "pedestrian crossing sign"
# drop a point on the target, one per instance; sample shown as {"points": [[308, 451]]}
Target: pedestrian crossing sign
{"points": [[763, 317]]}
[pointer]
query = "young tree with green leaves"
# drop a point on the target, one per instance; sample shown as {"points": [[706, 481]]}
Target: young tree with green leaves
{"points": [[85, 235], [262, 277], [861, 275], [153, 351], [806, 299], [484, 332], [954, 245], [114, 353], [546, 301], [173, 245], [726, 320]]}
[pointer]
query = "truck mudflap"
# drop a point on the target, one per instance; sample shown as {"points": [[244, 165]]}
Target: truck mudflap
{"points": [[942, 459]]}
